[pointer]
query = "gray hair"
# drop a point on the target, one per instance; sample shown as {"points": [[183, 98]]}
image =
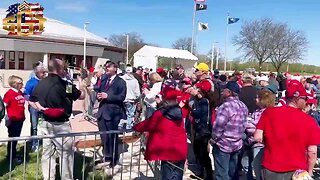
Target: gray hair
{"points": [[100, 69], [40, 67]]}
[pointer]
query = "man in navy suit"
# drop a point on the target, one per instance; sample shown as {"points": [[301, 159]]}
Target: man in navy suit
{"points": [[111, 94]]}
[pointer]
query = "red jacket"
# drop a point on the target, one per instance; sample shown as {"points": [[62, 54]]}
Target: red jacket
{"points": [[185, 109], [167, 138]]}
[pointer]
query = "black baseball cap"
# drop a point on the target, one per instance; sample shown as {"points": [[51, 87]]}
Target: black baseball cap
{"points": [[140, 68]]}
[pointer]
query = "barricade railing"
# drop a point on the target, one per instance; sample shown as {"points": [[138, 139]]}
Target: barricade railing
{"points": [[88, 159]]}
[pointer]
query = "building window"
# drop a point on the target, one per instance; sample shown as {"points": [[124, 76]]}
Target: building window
{"points": [[2, 60], [21, 60], [2, 55], [12, 60], [11, 55]]}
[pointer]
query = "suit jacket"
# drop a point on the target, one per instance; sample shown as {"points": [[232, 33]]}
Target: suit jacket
{"points": [[103, 79], [112, 108]]}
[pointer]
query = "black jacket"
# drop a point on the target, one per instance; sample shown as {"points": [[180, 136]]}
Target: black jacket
{"points": [[51, 93], [103, 78], [202, 117], [112, 108]]}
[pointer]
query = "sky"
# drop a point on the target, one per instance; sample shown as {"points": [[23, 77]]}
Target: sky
{"points": [[162, 22]]}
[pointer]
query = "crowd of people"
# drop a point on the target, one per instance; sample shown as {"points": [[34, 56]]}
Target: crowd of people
{"points": [[265, 125]]}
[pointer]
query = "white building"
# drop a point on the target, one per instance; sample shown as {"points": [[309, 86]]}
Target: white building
{"points": [[59, 39]]}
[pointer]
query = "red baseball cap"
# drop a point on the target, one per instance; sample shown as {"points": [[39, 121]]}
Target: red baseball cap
{"points": [[295, 89], [204, 85], [91, 69], [159, 70], [54, 112]]}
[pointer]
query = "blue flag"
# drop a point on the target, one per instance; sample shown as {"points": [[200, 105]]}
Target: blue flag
{"points": [[233, 20]]}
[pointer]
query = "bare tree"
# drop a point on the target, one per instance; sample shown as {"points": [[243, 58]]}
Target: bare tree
{"points": [[265, 39], [136, 42], [289, 46], [182, 43], [254, 40]]}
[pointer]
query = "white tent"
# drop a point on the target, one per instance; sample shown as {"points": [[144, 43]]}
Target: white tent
{"points": [[148, 56]]}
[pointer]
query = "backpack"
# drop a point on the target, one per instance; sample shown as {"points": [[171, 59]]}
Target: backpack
{"points": [[2, 109]]}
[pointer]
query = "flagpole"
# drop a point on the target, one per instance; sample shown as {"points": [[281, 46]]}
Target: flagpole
{"points": [[217, 60], [193, 24], [226, 44], [212, 56], [196, 39]]}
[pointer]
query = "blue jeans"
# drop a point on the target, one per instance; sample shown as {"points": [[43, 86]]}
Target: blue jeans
{"points": [[226, 164], [168, 171], [251, 161], [130, 110], [34, 116]]}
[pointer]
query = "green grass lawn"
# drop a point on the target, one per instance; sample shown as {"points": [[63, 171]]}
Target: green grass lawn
{"points": [[17, 172]]}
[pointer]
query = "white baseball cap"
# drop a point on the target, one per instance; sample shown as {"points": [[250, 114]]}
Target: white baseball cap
{"points": [[129, 69], [263, 78]]}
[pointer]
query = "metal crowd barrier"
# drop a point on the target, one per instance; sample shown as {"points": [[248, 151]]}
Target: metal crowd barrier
{"points": [[87, 150]]}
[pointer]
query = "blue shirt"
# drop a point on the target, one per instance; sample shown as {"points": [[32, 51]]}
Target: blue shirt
{"points": [[30, 86]]}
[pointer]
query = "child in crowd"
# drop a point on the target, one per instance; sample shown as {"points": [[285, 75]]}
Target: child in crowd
{"points": [[14, 103]]}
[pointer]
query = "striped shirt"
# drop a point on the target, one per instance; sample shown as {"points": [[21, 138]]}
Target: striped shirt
{"points": [[251, 123]]}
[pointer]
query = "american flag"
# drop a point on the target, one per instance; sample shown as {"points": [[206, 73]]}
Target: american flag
{"points": [[12, 10], [26, 18]]}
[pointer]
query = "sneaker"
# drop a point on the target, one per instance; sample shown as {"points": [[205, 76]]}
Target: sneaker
{"points": [[110, 171], [34, 148], [102, 165], [128, 134], [18, 161]]}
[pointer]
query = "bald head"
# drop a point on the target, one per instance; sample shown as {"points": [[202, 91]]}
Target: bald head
{"points": [[56, 66]]}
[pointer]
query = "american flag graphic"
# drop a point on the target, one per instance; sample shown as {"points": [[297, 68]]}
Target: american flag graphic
{"points": [[28, 16]]}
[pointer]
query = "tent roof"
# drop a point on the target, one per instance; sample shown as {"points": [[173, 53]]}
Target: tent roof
{"points": [[165, 52]]}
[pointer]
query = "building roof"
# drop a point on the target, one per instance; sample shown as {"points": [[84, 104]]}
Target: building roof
{"points": [[148, 51], [57, 30]]}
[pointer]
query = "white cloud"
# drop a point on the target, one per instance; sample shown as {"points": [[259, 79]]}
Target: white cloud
{"points": [[73, 7]]}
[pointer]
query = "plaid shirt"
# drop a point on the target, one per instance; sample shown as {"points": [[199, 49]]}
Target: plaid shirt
{"points": [[229, 126]]}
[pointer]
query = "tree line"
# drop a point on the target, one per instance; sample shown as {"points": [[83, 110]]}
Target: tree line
{"points": [[266, 45]]}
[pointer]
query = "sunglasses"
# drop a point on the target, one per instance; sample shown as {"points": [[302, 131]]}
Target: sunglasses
{"points": [[304, 98], [196, 70]]}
